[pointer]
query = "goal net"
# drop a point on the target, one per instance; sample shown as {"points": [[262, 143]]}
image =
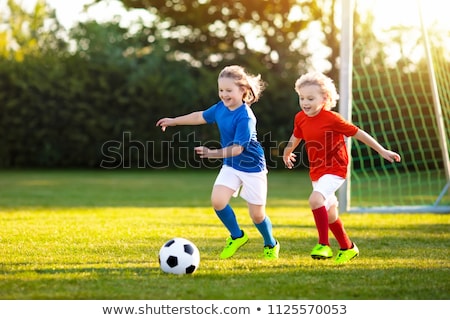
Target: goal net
{"points": [[395, 84]]}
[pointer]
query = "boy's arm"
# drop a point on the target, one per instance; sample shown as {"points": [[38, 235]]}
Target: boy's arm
{"points": [[364, 137], [288, 155]]}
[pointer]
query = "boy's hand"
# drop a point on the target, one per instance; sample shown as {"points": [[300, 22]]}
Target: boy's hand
{"points": [[289, 160], [391, 156]]}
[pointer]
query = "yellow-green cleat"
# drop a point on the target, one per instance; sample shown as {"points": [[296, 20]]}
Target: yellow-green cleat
{"points": [[321, 251], [271, 253], [344, 256], [233, 245]]}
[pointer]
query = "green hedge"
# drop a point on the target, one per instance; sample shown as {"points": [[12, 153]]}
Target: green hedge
{"points": [[66, 111]]}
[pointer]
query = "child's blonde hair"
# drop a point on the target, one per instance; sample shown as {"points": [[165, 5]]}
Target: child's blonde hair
{"points": [[253, 85], [326, 85]]}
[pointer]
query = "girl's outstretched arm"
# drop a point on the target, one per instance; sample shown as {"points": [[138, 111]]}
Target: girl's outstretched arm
{"points": [[193, 118], [366, 138]]}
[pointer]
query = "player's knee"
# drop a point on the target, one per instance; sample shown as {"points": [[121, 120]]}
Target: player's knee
{"points": [[332, 214], [257, 214], [218, 203], [316, 200]]}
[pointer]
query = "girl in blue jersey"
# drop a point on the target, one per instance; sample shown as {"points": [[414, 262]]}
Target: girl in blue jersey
{"points": [[244, 166]]}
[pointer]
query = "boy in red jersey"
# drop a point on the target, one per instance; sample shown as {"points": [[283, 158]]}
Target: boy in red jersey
{"points": [[323, 131]]}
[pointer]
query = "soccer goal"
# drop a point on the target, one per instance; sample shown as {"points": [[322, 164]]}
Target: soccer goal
{"points": [[395, 84]]}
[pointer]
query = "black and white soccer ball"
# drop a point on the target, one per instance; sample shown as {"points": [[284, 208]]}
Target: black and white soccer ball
{"points": [[179, 256]]}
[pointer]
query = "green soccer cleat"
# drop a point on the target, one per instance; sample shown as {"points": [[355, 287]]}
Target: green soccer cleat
{"points": [[271, 253], [233, 245], [347, 254], [321, 251]]}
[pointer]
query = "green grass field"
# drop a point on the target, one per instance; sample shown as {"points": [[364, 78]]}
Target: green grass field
{"points": [[96, 235]]}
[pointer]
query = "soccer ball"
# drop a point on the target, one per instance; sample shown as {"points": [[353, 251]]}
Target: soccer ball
{"points": [[179, 256]]}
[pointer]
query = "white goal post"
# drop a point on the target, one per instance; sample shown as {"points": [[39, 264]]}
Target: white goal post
{"points": [[419, 184]]}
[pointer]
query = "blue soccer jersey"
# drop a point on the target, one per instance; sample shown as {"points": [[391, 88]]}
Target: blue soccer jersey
{"points": [[238, 127]]}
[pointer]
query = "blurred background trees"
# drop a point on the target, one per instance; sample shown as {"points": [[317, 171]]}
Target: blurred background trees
{"points": [[90, 96]]}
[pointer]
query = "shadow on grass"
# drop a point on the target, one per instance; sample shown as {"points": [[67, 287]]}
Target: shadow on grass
{"points": [[276, 282]]}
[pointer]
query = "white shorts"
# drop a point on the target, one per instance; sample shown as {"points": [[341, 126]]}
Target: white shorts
{"points": [[327, 185], [251, 186]]}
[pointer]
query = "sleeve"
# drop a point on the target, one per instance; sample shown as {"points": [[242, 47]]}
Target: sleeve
{"points": [[343, 126], [297, 130], [210, 114]]}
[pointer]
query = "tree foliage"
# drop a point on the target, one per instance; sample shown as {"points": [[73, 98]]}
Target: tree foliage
{"points": [[215, 32], [30, 33], [60, 111]]}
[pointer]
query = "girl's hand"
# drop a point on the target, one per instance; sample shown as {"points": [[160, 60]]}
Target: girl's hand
{"points": [[289, 160], [165, 122], [202, 151]]}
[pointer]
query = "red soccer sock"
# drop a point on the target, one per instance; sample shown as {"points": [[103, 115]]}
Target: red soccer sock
{"points": [[321, 220], [341, 236]]}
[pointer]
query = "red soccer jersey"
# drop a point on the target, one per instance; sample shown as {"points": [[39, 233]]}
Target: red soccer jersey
{"points": [[324, 142]]}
